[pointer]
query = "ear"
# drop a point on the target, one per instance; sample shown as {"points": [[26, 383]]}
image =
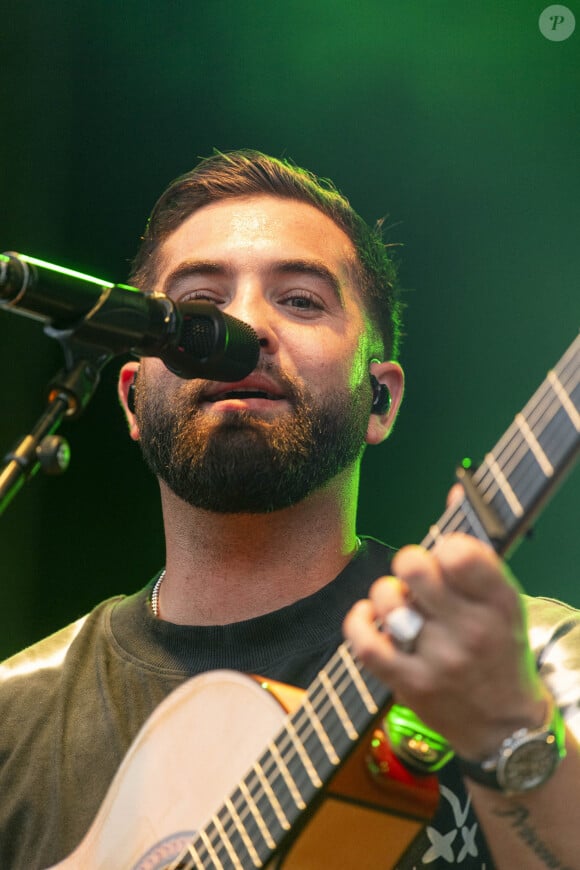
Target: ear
{"points": [[127, 377], [391, 375]]}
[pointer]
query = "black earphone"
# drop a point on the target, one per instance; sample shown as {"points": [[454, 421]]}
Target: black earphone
{"points": [[381, 397], [131, 394]]}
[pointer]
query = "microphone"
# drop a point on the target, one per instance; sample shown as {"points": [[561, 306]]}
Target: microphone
{"points": [[194, 339]]}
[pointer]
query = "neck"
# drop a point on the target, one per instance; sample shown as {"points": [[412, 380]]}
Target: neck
{"points": [[224, 568]]}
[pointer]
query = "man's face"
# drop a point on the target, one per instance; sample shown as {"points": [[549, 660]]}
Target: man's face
{"points": [[270, 440]]}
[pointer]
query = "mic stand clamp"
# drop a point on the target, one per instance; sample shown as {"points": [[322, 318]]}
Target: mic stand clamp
{"points": [[69, 393]]}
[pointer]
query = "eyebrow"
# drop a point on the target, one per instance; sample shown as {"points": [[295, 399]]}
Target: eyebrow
{"points": [[190, 268], [312, 268]]}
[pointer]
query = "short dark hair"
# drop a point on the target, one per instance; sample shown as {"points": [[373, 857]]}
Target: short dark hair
{"points": [[246, 173]]}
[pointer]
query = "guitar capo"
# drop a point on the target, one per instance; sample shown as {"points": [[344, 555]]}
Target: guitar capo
{"points": [[486, 515]]}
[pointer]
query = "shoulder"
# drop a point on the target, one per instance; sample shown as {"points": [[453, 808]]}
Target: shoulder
{"points": [[554, 632], [551, 621], [49, 655]]}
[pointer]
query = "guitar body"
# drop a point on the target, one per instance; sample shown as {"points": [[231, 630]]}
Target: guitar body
{"points": [[193, 751]]}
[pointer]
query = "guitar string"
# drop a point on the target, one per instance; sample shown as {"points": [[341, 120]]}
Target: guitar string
{"points": [[220, 846], [536, 407], [544, 404], [570, 358], [543, 407], [291, 756], [339, 684], [516, 447], [567, 371], [231, 829], [302, 721]]}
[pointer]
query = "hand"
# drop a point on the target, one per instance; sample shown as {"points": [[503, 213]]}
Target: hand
{"points": [[472, 675]]}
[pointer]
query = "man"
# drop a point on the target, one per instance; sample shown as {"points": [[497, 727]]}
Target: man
{"points": [[258, 485]]}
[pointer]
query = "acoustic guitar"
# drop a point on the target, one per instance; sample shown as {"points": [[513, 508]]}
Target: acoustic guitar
{"points": [[301, 772]]}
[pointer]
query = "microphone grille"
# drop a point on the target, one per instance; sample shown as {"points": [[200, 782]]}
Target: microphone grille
{"points": [[198, 335], [211, 344]]}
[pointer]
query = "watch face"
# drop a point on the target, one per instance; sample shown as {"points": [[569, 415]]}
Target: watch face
{"points": [[529, 764]]}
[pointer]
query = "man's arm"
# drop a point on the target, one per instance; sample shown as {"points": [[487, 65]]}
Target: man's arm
{"points": [[540, 829], [473, 678]]}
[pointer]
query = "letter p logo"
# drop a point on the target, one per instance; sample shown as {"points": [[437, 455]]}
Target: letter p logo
{"points": [[557, 23]]}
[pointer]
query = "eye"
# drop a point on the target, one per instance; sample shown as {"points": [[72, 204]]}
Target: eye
{"points": [[302, 301], [201, 295]]}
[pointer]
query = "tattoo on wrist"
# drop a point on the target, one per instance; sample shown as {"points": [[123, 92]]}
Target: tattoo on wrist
{"points": [[518, 818]]}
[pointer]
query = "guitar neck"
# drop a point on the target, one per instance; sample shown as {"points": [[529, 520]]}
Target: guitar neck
{"points": [[522, 471], [515, 478]]}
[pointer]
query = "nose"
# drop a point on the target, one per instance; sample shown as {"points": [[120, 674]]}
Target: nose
{"points": [[256, 311]]}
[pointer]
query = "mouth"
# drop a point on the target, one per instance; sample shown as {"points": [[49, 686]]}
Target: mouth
{"points": [[253, 393], [243, 395]]}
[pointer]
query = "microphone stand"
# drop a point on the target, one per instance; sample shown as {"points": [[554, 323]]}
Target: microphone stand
{"points": [[69, 393]]}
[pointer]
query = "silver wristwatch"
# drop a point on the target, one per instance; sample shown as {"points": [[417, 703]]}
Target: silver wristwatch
{"points": [[525, 760]]}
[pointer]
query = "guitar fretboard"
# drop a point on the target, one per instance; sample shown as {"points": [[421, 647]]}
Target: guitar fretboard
{"points": [[344, 699]]}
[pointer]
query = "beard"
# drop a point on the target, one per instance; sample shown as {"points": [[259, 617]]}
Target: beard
{"points": [[246, 462]]}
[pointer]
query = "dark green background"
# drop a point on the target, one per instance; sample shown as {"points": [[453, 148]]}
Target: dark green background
{"points": [[459, 121]]}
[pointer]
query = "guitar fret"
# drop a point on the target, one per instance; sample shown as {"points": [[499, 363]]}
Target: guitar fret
{"points": [[299, 775], [257, 815], [321, 733], [435, 532], [225, 840], [292, 787], [540, 407], [508, 493], [540, 440], [345, 719], [240, 827], [565, 400], [273, 800], [251, 830], [471, 523], [327, 713], [211, 851], [527, 478], [535, 446], [195, 855], [558, 436], [454, 519], [358, 681], [304, 757], [311, 743], [522, 468]]}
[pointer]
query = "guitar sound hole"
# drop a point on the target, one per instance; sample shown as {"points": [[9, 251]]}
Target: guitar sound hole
{"points": [[165, 851]]}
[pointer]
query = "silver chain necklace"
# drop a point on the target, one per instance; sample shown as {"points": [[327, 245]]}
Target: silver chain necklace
{"points": [[155, 595]]}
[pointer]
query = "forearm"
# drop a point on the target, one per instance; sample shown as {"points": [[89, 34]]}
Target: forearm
{"points": [[537, 830]]}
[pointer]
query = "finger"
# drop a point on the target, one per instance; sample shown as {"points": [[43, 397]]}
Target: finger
{"points": [[420, 572], [454, 495], [388, 592], [373, 647], [473, 570]]}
